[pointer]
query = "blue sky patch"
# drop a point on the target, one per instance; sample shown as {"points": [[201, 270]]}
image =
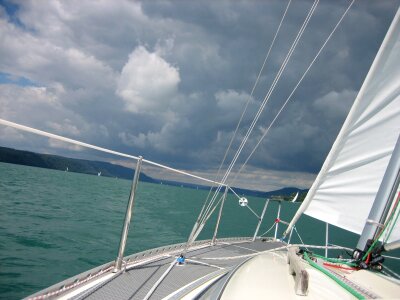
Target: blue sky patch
{"points": [[11, 9], [21, 81]]}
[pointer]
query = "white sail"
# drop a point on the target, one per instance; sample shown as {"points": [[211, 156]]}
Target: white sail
{"points": [[295, 197], [347, 184]]}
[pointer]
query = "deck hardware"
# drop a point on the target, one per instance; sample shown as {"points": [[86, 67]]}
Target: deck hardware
{"points": [[301, 277], [243, 201]]}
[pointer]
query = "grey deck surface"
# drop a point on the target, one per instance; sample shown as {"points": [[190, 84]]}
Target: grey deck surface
{"points": [[135, 283]]}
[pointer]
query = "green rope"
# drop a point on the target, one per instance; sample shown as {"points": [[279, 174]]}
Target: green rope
{"points": [[386, 227], [337, 280], [337, 260]]}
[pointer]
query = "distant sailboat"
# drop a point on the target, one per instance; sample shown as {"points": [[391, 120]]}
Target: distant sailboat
{"points": [[295, 197]]}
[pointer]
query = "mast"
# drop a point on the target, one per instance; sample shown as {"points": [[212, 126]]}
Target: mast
{"points": [[383, 200]]}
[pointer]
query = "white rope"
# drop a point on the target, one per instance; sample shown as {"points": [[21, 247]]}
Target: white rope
{"points": [[153, 288], [90, 146], [64, 139], [270, 250], [271, 89], [180, 172], [234, 192], [212, 211], [242, 256], [391, 257], [319, 247], [291, 94], [393, 273], [346, 248], [257, 216], [277, 77], [244, 248], [203, 263], [196, 231], [301, 240], [273, 225], [245, 108]]}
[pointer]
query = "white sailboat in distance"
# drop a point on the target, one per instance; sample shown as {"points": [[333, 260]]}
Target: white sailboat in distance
{"points": [[295, 197]]}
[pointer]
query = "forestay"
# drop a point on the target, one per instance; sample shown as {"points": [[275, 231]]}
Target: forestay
{"points": [[346, 187]]}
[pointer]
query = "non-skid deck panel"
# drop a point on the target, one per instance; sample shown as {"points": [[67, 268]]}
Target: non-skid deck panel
{"points": [[179, 277], [226, 250], [222, 255], [137, 282], [131, 284]]}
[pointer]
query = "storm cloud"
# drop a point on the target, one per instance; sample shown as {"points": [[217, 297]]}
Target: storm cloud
{"points": [[169, 80]]}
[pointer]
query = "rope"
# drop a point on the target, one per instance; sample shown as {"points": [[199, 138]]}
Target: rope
{"points": [[268, 229], [338, 260], [203, 263], [247, 104], [291, 94], [64, 139], [241, 256], [391, 257], [90, 146], [386, 225], [337, 280], [301, 240], [234, 192], [338, 266], [271, 89], [244, 111], [393, 273], [196, 232], [267, 251], [153, 288]]}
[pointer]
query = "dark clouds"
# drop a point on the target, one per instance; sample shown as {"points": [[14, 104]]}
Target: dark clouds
{"points": [[168, 79]]}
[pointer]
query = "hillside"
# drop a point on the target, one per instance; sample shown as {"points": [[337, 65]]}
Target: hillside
{"points": [[61, 163]]}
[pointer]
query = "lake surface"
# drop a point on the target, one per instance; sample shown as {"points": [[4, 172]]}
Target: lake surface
{"points": [[54, 224]]}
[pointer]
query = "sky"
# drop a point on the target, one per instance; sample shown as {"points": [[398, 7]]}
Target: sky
{"points": [[169, 80]]}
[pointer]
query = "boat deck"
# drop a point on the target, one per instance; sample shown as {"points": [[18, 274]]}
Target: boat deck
{"points": [[234, 268], [203, 263]]}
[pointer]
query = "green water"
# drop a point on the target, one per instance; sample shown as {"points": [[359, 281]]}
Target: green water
{"points": [[54, 225]]}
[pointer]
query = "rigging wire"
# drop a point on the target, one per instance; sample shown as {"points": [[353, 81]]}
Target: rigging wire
{"points": [[267, 97], [273, 225], [271, 89], [245, 108], [291, 94], [90, 146]]}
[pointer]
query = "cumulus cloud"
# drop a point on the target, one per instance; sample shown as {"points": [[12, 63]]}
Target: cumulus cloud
{"points": [[335, 104], [169, 79], [147, 82]]}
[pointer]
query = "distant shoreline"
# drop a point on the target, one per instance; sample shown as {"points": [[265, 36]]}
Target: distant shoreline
{"points": [[100, 168]]}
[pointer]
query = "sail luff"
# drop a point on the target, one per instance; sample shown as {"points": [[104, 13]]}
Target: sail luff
{"points": [[355, 128]]}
